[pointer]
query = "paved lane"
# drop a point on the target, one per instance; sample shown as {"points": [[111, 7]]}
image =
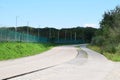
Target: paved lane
{"points": [[92, 66], [53, 57]]}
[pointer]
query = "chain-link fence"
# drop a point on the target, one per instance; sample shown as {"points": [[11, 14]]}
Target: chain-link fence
{"points": [[8, 35], [70, 41]]}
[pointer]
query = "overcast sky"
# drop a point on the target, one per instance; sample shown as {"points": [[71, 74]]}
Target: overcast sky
{"points": [[54, 13]]}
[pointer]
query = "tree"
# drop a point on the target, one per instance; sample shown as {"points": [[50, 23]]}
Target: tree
{"points": [[109, 31]]}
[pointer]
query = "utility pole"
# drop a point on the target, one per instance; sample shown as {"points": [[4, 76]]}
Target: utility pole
{"points": [[16, 23], [75, 36], [58, 35], [71, 35], [49, 33], [27, 31], [16, 28], [27, 27], [38, 31], [65, 34]]}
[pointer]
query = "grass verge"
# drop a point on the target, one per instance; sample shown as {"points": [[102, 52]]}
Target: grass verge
{"points": [[12, 50], [110, 56]]}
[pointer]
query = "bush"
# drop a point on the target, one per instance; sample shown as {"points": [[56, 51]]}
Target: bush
{"points": [[98, 40], [118, 49], [110, 48]]}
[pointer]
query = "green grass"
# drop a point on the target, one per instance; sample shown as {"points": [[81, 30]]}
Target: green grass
{"points": [[12, 50], [110, 56], [95, 48]]}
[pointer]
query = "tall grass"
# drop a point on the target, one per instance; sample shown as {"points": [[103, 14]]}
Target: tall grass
{"points": [[110, 56], [12, 50]]}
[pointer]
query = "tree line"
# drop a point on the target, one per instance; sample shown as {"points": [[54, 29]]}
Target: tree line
{"points": [[108, 35], [67, 34]]}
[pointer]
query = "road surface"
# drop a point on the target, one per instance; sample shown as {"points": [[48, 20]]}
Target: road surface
{"points": [[58, 55], [70, 65]]}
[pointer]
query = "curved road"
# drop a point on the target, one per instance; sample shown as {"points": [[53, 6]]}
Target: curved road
{"points": [[14, 68], [68, 65]]}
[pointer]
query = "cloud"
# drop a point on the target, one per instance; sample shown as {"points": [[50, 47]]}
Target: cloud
{"points": [[91, 25]]}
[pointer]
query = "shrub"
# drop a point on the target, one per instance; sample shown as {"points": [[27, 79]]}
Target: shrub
{"points": [[98, 40], [110, 48], [118, 49]]}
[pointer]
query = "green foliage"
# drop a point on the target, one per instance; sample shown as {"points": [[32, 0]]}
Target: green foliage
{"points": [[110, 56], [108, 36], [95, 48], [16, 50], [89, 33], [98, 40], [118, 49], [113, 57], [110, 48]]}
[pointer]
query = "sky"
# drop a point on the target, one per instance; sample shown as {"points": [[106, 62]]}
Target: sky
{"points": [[54, 13]]}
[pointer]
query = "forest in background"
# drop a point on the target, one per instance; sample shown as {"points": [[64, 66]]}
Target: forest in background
{"points": [[66, 34]]}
